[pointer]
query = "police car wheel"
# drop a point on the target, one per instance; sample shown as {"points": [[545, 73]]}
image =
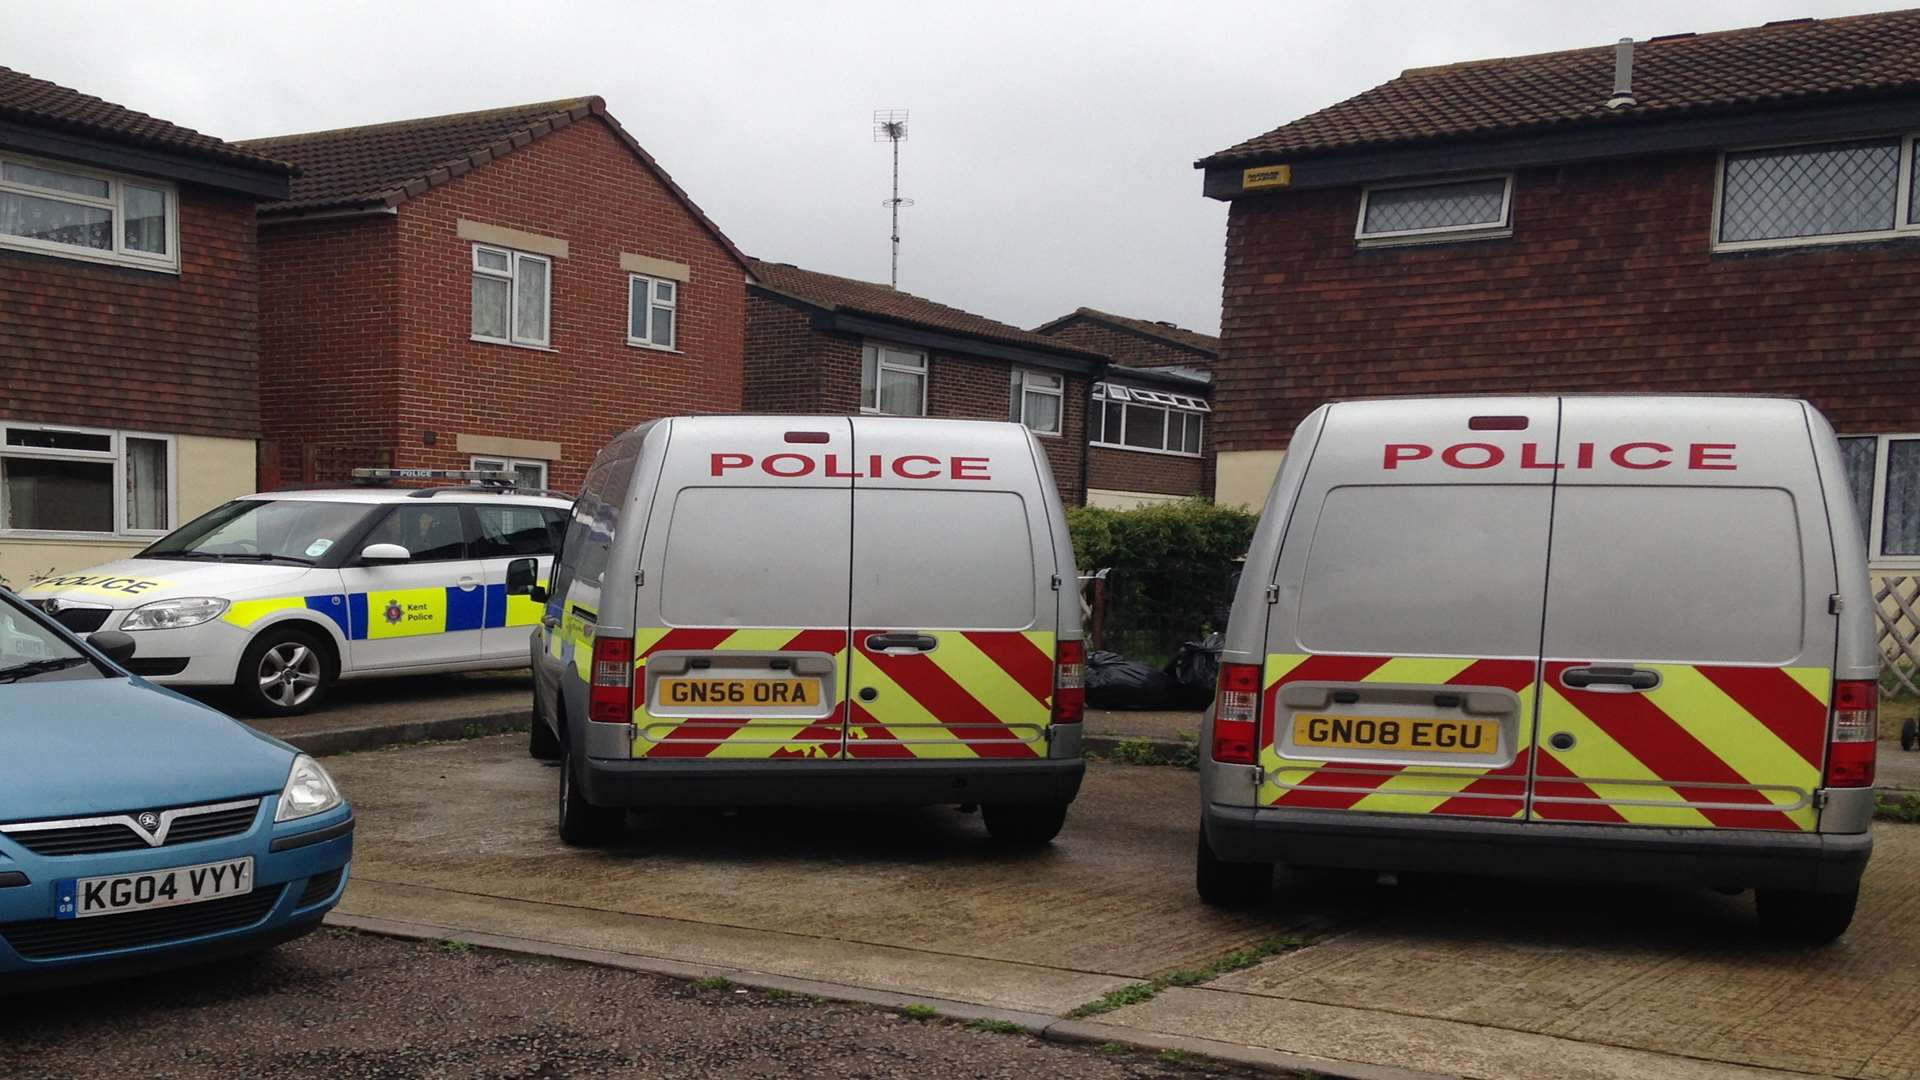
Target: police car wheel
{"points": [[1909, 734], [583, 824], [284, 672], [1025, 825], [1229, 884], [1803, 915]]}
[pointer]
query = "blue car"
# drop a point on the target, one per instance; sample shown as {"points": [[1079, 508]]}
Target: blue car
{"points": [[140, 829]]}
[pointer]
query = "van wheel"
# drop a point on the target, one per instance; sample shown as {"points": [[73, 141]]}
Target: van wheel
{"points": [[1229, 884], [1813, 917], [1909, 734], [583, 824], [284, 672], [1025, 825], [542, 743]]}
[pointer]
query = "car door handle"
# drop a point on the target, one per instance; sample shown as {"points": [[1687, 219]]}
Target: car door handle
{"points": [[468, 583], [1610, 680], [549, 621], [911, 640]]}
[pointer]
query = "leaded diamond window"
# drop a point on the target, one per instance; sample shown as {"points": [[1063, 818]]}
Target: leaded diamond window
{"points": [[1827, 189], [1452, 207]]}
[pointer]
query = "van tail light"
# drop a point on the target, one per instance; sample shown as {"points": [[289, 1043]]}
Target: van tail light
{"points": [[1856, 724], [610, 698], [1236, 714], [1069, 682]]}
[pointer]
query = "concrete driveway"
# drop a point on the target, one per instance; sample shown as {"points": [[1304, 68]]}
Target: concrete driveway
{"points": [[1446, 976]]}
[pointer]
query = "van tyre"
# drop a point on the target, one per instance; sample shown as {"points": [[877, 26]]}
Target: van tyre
{"points": [[1909, 734], [1813, 917], [284, 672], [583, 824], [1027, 825], [542, 743], [1229, 884]]}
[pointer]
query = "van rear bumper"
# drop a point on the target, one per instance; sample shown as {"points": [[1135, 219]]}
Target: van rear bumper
{"points": [[830, 783], [1818, 862]]}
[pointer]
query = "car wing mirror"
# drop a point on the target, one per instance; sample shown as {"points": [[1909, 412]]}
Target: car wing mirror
{"points": [[384, 553], [523, 580], [115, 645]]}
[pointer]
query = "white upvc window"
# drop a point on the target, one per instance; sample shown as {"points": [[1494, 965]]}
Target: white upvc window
{"points": [[1039, 400], [58, 209], [653, 312], [527, 472], [512, 297], [1883, 479], [1148, 421], [893, 380], [1831, 192], [1470, 208], [85, 482]]}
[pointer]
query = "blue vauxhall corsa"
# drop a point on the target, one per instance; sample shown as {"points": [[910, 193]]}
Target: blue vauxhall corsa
{"points": [[140, 829]]}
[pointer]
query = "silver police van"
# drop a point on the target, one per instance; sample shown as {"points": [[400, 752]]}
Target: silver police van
{"points": [[812, 610], [1583, 637]]}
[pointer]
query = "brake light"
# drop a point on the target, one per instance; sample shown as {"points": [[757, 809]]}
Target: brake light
{"points": [[610, 698], [1236, 714], [1856, 724], [1069, 682]]}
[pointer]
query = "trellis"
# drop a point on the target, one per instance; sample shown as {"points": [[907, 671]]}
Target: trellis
{"points": [[1896, 606]]}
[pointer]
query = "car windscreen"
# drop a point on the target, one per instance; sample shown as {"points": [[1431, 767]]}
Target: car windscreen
{"points": [[263, 530], [31, 651]]}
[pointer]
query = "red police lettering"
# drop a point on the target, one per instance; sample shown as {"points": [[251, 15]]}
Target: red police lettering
{"points": [[1489, 455], [1399, 452], [791, 465], [1530, 458], [788, 472], [1711, 455], [1621, 459], [900, 470], [1637, 456], [969, 468], [723, 462]]}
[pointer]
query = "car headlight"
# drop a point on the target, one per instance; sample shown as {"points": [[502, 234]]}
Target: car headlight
{"points": [[174, 614], [309, 791]]}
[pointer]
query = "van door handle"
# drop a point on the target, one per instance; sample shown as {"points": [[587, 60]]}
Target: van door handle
{"points": [[913, 640], [549, 621], [468, 583], [1610, 680]]}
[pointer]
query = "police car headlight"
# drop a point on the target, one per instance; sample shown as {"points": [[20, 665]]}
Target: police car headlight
{"points": [[309, 791], [174, 614]]}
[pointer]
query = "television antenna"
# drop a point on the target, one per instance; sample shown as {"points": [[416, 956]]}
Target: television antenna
{"points": [[890, 125]]}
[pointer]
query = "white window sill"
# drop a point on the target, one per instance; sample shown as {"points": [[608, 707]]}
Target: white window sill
{"points": [[1911, 232], [510, 344], [1417, 239], [864, 411], [1045, 434], [651, 347], [1894, 564], [103, 258], [1146, 450]]}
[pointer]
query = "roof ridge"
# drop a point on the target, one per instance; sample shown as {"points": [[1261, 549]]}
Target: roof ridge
{"points": [[895, 289], [1669, 38], [550, 108]]}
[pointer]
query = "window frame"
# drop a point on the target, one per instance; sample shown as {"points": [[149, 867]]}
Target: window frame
{"points": [[1438, 233], [1875, 525], [512, 277], [115, 202], [508, 464], [116, 455], [1902, 202], [1132, 397], [881, 367], [1021, 389], [653, 301]]}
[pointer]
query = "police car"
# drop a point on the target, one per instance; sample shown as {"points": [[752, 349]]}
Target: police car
{"points": [[282, 593]]}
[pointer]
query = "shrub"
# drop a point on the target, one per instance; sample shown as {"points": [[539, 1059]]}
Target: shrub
{"points": [[1173, 568]]}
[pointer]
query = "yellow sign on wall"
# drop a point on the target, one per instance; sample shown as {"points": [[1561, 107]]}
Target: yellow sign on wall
{"points": [[1266, 176]]}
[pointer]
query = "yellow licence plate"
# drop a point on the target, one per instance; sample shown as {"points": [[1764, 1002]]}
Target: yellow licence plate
{"points": [[750, 692], [1396, 733]]}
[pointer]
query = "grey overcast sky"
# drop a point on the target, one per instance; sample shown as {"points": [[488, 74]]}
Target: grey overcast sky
{"points": [[1051, 144]]}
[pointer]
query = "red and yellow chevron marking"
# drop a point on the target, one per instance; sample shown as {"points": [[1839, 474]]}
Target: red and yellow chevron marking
{"points": [[1713, 747], [1470, 790], [743, 737], [978, 694]]}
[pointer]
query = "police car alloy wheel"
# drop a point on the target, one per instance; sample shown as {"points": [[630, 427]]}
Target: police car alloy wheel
{"points": [[284, 671]]}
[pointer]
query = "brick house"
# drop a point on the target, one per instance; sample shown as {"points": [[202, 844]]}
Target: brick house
{"points": [[817, 343], [129, 333], [499, 289], [1146, 434], [1744, 219]]}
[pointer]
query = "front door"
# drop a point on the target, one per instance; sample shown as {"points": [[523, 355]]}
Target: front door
{"points": [[1689, 649], [428, 610]]}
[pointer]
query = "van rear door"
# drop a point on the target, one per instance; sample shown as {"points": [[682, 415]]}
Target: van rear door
{"points": [[741, 634], [954, 620], [1403, 643], [1688, 643]]}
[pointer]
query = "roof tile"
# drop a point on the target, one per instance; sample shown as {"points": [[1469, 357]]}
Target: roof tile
{"points": [[39, 102]]}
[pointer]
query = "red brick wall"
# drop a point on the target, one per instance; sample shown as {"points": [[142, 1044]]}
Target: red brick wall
{"points": [[1607, 284], [1124, 347], [105, 346], [966, 387], [580, 184], [1131, 470]]}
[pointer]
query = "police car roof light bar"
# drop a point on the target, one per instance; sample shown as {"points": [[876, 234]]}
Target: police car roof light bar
{"points": [[472, 476]]}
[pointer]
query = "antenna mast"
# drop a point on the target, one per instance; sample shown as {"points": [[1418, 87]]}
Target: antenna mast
{"points": [[890, 125]]}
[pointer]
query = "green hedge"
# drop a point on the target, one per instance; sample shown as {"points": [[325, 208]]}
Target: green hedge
{"points": [[1172, 569]]}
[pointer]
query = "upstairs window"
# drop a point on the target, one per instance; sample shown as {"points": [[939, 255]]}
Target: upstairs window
{"points": [[1039, 399], [653, 310], [1451, 210], [893, 381], [56, 209], [85, 481], [1155, 421], [512, 296], [1818, 193]]}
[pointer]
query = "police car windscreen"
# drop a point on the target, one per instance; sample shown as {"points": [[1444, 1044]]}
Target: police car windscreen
{"points": [[294, 530]]}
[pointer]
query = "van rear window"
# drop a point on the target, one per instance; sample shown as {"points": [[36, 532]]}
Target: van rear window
{"points": [[1443, 570], [1685, 574], [960, 560], [740, 556]]}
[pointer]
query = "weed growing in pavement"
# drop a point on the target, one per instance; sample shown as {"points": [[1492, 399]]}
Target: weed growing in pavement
{"points": [[456, 947], [712, 982], [921, 1012], [1184, 754], [997, 1027], [1132, 994], [1134, 752], [1905, 809], [1114, 1048], [1181, 1057], [1233, 961], [789, 995]]}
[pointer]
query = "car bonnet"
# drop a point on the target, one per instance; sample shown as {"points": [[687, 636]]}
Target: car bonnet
{"points": [[132, 582]]}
